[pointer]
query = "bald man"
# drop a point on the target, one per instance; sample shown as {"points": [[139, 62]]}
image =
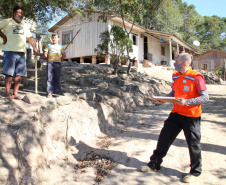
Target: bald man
{"points": [[189, 88]]}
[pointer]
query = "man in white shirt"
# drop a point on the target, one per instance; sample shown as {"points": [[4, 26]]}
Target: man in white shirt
{"points": [[14, 33]]}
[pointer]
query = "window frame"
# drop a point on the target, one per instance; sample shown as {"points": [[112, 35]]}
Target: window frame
{"points": [[66, 33], [134, 39], [204, 66], [163, 50]]}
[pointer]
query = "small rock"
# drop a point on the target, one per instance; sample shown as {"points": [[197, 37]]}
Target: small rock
{"points": [[103, 85], [73, 96], [115, 91], [26, 99], [32, 98], [96, 81], [90, 95], [64, 100], [124, 76], [2, 77], [123, 88], [99, 98], [135, 79], [82, 96], [50, 104]]}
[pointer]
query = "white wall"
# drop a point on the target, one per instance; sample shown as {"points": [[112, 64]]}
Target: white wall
{"points": [[87, 39], [141, 48], [154, 48], [135, 52], [167, 54]]}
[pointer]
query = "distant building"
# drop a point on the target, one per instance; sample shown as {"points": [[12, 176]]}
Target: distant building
{"points": [[209, 60]]}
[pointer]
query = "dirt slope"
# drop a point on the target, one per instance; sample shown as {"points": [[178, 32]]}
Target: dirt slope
{"points": [[133, 148]]}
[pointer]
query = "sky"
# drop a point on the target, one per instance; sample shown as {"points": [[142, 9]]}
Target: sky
{"points": [[209, 7]]}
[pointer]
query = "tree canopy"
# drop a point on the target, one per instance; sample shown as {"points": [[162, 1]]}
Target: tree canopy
{"points": [[212, 33], [42, 10], [167, 18], [176, 17]]}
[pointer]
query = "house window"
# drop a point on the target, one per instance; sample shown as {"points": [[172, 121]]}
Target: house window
{"points": [[134, 39], [163, 52], [66, 37], [204, 67]]}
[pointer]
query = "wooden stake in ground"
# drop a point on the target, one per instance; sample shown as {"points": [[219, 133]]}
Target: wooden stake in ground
{"points": [[36, 75], [224, 70]]}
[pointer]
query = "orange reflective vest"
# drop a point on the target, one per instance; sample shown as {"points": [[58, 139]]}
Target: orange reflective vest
{"points": [[184, 87]]}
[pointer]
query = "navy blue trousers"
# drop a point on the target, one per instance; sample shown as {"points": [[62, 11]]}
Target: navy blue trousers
{"points": [[53, 77], [172, 127]]}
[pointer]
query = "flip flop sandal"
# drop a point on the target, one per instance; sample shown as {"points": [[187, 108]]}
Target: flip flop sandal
{"points": [[16, 97]]}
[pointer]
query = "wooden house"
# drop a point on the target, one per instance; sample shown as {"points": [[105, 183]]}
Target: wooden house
{"points": [[210, 60], [149, 46]]}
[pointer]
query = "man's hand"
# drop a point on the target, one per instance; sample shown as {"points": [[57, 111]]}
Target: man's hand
{"points": [[159, 102], [36, 51], [45, 55], [181, 101], [3, 37], [33, 44]]}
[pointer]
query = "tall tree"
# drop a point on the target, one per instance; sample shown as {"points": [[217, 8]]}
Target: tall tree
{"points": [[175, 16], [211, 34], [42, 10], [191, 19], [167, 18]]}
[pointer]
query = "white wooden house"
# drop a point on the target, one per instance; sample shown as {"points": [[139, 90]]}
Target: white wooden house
{"points": [[148, 45]]}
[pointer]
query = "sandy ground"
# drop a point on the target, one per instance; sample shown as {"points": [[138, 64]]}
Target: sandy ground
{"points": [[132, 147], [139, 138]]}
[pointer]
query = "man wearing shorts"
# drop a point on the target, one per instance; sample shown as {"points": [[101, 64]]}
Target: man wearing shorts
{"points": [[14, 33]]}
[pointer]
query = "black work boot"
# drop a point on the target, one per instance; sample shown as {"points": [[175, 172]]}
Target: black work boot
{"points": [[151, 166]]}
